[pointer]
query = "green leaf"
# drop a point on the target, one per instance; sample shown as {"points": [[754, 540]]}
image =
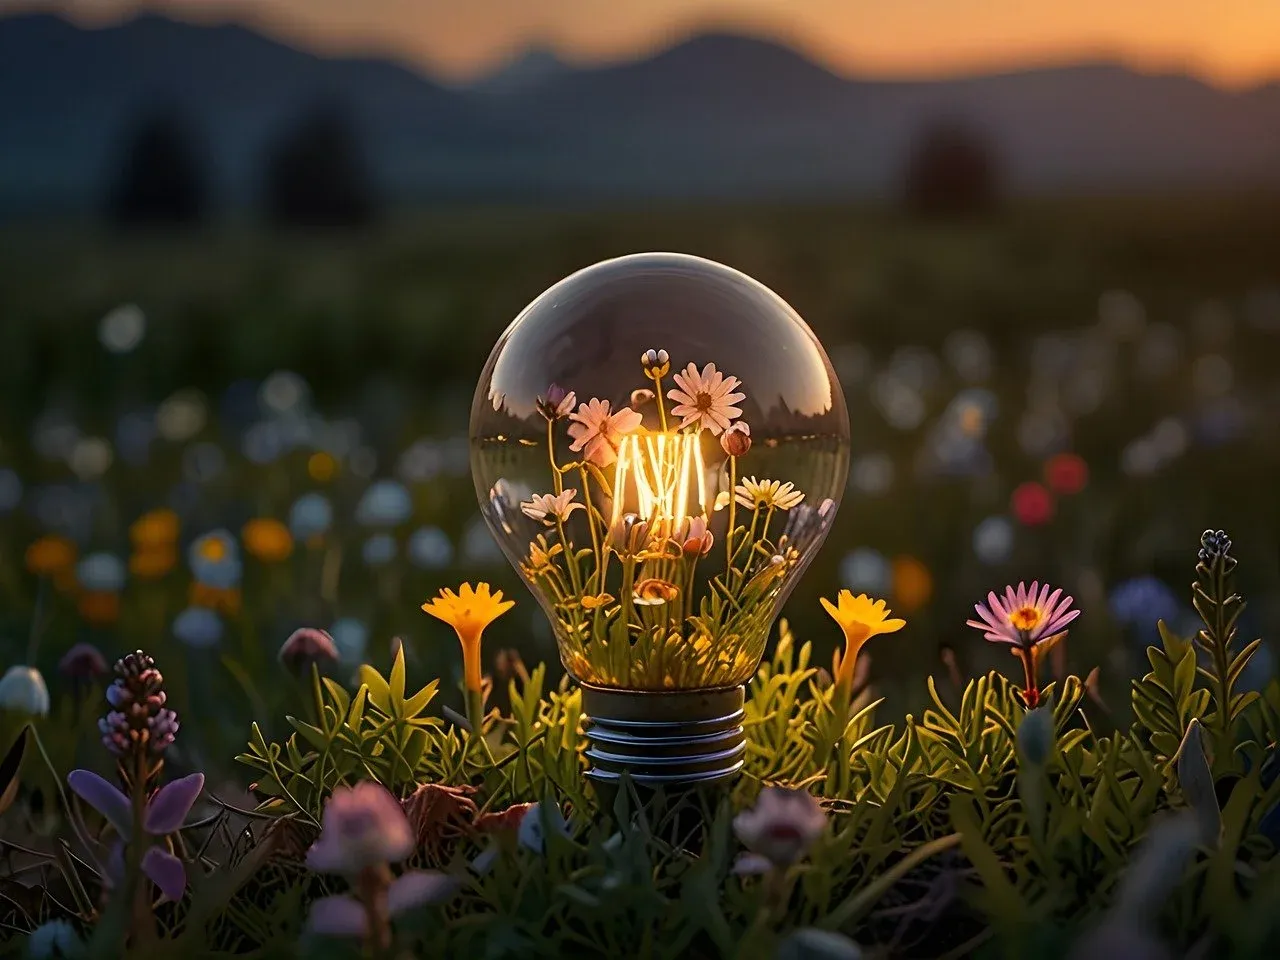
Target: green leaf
{"points": [[10, 766], [313, 735], [395, 690], [379, 690]]}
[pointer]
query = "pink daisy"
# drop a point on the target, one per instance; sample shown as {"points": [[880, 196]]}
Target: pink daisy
{"points": [[597, 432], [705, 398], [1025, 616]]}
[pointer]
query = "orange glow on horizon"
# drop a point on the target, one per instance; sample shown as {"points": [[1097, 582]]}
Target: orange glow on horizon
{"points": [[1229, 42]]}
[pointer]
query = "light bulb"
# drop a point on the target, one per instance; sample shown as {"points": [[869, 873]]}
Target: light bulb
{"points": [[659, 445]]}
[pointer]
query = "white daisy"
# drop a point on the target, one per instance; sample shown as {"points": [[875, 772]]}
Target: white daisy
{"points": [[549, 507], [767, 493]]}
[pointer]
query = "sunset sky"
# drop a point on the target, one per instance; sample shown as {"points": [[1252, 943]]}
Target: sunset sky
{"points": [[1232, 42]]}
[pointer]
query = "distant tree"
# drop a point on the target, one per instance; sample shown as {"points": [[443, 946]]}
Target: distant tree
{"points": [[951, 171], [316, 174], [160, 180]]}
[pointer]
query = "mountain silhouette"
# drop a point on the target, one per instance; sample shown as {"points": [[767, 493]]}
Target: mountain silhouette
{"points": [[715, 116]]}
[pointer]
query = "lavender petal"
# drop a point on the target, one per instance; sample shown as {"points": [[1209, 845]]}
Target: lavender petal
{"points": [[104, 797], [171, 804], [166, 872]]}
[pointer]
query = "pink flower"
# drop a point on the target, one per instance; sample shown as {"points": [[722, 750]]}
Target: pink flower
{"points": [[306, 646], [1032, 504], [705, 398], [779, 830], [1025, 616], [599, 432], [363, 830], [363, 826], [345, 916], [695, 539], [166, 811]]}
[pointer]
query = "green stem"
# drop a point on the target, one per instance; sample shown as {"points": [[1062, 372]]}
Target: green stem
{"points": [[551, 454], [1221, 655], [570, 560], [595, 537], [662, 410], [733, 505]]}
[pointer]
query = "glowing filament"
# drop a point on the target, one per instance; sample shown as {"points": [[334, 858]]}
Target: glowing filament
{"points": [[664, 470]]}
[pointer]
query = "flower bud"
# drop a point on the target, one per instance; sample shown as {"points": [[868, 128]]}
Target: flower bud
{"points": [[1197, 784], [22, 691], [736, 441], [306, 646], [82, 662], [1036, 736], [656, 363]]}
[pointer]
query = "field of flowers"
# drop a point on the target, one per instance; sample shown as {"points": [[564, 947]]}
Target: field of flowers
{"points": [[248, 457]]}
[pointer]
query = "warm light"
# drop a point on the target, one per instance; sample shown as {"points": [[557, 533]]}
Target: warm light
{"points": [[657, 472]]}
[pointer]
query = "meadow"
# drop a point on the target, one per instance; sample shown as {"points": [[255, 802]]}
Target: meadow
{"points": [[209, 441]]}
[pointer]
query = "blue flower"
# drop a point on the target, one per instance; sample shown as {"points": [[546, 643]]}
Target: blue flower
{"points": [[55, 939], [1138, 603], [310, 516], [430, 548], [866, 571], [101, 573], [379, 550], [215, 560], [993, 539], [351, 637], [10, 490], [198, 627], [385, 503]]}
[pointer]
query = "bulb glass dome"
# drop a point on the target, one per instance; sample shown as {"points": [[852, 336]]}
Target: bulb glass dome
{"points": [[659, 445]]}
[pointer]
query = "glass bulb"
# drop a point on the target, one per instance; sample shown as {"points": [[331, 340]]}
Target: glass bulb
{"points": [[659, 444]]}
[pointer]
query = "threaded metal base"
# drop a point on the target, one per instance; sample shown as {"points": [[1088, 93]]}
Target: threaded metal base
{"points": [[664, 738]]}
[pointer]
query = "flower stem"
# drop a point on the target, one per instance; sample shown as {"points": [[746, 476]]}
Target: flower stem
{"points": [[1031, 690], [551, 454]]}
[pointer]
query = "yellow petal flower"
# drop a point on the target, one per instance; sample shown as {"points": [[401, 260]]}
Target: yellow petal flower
{"points": [[267, 539], [861, 618], [469, 611]]}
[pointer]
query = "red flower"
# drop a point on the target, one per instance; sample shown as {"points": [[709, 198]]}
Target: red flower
{"points": [[1066, 473], [1032, 504]]}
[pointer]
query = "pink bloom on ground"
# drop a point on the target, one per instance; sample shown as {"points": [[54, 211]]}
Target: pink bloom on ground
{"points": [[363, 826], [364, 829], [597, 432], [779, 830]]}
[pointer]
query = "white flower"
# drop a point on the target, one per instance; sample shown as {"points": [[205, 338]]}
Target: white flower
{"points": [[22, 691], [430, 548], [101, 572], [198, 627], [384, 504], [551, 507], [597, 432], [310, 516], [379, 550], [705, 398], [779, 830], [753, 493]]}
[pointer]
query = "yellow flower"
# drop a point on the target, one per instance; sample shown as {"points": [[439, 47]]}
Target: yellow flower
{"points": [[541, 556], [51, 556], [763, 494], [912, 583], [653, 591], [860, 618], [322, 466], [155, 528], [225, 600], [153, 562], [596, 602], [267, 539], [100, 608], [469, 611]]}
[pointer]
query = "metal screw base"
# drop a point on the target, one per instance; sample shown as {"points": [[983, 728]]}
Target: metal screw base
{"points": [[676, 738]]}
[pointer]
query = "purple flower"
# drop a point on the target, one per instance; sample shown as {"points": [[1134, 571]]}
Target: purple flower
{"points": [[364, 829], [779, 830], [363, 826], [140, 719], [82, 662], [164, 814], [1025, 617], [306, 646]]}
